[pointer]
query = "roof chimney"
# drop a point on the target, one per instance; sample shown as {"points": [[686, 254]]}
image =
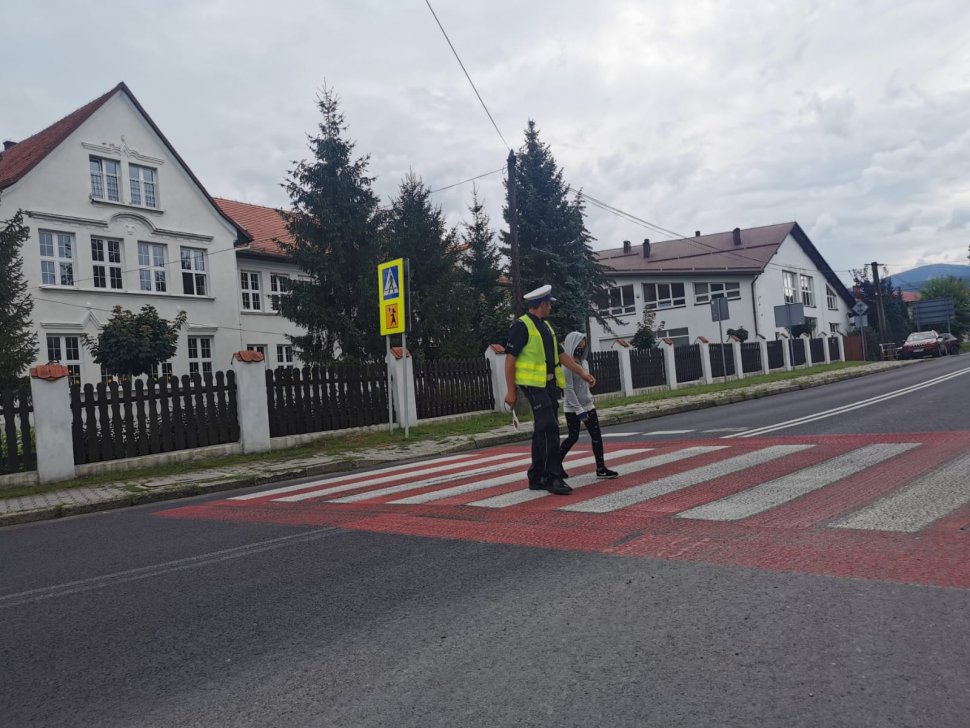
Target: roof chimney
{"points": [[626, 246], [737, 236], [697, 233], [646, 247], [7, 144]]}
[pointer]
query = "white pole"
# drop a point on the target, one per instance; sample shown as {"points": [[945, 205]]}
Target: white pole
{"points": [[390, 391], [407, 416]]}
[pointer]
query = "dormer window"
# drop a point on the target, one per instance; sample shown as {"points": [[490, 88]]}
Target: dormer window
{"points": [[104, 179], [143, 185]]}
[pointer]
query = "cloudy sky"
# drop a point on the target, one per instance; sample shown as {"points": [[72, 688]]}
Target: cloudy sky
{"points": [[850, 117]]}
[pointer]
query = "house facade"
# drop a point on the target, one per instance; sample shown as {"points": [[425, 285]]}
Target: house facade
{"points": [[117, 218], [755, 269]]}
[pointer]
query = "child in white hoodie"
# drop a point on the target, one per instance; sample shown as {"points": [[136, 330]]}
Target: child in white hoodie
{"points": [[579, 408]]}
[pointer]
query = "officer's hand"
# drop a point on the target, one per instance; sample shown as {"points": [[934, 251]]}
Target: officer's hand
{"points": [[510, 400]]}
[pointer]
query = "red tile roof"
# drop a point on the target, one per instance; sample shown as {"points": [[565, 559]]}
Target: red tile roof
{"points": [[24, 156], [910, 296], [264, 224]]}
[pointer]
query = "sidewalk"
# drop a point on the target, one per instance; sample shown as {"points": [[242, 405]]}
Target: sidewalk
{"points": [[138, 488]]}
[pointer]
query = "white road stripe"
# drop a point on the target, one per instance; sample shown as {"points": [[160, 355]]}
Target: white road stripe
{"points": [[919, 504], [523, 496], [762, 497], [342, 477], [668, 432], [640, 493], [571, 461], [621, 434], [849, 407], [726, 429], [365, 481]]}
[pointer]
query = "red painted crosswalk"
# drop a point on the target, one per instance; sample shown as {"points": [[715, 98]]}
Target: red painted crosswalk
{"points": [[893, 507]]}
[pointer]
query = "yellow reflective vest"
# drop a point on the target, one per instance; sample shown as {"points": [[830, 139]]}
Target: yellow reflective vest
{"points": [[530, 364]]}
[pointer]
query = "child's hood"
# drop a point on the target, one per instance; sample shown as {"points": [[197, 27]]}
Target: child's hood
{"points": [[572, 341]]}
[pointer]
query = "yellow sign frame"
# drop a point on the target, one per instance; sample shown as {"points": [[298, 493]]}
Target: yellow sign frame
{"points": [[391, 293]]}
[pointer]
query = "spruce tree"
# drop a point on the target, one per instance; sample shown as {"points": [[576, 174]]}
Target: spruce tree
{"points": [[493, 310], [554, 244], [334, 224], [18, 340], [441, 300]]}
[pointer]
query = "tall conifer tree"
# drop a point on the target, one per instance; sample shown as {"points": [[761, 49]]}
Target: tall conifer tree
{"points": [[18, 340], [554, 244], [334, 222], [492, 315], [441, 298]]}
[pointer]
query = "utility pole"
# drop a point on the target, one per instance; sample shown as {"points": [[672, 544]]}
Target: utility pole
{"points": [[514, 240], [880, 310]]}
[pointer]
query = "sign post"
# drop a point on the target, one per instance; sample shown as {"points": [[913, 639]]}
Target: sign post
{"points": [[719, 313], [392, 301], [860, 309]]}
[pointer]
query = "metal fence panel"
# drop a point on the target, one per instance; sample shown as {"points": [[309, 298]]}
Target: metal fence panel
{"points": [[751, 357], [687, 360], [719, 364], [17, 451], [605, 366], [647, 366]]}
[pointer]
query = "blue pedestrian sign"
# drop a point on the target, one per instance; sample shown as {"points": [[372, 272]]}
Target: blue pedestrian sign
{"points": [[391, 284]]}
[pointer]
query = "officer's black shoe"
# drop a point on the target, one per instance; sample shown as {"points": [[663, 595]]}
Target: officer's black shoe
{"points": [[557, 487], [565, 475], [536, 486]]}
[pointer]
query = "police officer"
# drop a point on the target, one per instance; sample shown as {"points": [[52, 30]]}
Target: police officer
{"points": [[533, 358]]}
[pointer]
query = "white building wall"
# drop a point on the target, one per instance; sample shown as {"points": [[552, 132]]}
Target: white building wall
{"points": [[753, 310], [56, 195]]}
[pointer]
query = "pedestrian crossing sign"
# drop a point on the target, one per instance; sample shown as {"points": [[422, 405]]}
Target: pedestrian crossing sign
{"points": [[391, 293]]}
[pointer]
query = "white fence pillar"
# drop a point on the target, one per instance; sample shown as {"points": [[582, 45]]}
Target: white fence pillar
{"points": [[738, 361], [825, 347], [626, 369], [250, 370], [786, 350], [670, 363], [705, 359], [495, 355], [50, 392], [807, 346], [763, 343], [841, 339], [403, 386]]}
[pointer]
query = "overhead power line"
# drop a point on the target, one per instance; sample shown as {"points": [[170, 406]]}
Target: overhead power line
{"points": [[465, 71]]}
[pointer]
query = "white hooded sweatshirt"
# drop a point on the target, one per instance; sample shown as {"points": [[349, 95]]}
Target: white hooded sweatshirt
{"points": [[576, 396]]}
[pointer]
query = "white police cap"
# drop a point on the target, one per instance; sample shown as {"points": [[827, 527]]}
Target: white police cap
{"points": [[540, 294]]}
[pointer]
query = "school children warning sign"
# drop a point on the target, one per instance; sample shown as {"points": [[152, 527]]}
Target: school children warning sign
{"points": [[391, 294]]}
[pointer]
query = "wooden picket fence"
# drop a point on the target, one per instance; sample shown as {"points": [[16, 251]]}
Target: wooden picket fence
{"points": [[452, 386], [320, 399], [687, 360], [647, 367], [116, 420], [17, 451], [750, 357], [605, 366]]}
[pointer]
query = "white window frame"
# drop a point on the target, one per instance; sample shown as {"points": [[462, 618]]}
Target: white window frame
{"points": [[108, 255], [261, 348], [806, 287], [66, 349], [143, 183], [284, 355], [101, 177], [830, 299], [680, 336], [200, 354], [152, 267], [279, 286], [56, 258], [706, 292], [192, 263], [251, 287], [167, 370], [789, 282], [620, 300], [663, 296], [834, 328]]}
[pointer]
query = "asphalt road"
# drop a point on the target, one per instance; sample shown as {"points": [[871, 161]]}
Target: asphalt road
{"points": [[218, 613]]}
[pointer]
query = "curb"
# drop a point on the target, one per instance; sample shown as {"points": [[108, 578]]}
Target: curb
{"points": [[473, 442]]}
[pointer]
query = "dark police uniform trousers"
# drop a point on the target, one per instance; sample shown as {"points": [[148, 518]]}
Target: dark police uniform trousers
{"points": [[546, 463]]}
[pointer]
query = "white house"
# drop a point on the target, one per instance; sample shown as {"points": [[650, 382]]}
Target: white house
{"points": [[755, 269], [117, 217]]}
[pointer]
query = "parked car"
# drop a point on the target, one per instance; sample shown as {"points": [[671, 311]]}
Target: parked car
{"points": [[920, 344], [951, 342]]}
